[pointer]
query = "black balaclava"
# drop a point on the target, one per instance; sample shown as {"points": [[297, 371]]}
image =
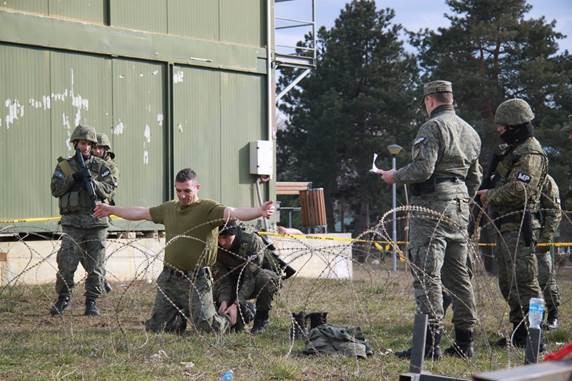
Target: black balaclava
{"points": [[515, 135]]}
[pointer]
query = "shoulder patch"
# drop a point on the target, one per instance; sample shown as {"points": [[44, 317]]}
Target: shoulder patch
{"points": [[419, 140], [59, 174], [105, 173], [521, 176], [66, 168]]}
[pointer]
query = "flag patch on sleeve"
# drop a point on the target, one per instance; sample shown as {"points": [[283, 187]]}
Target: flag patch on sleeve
{"points": [[521, 176]]}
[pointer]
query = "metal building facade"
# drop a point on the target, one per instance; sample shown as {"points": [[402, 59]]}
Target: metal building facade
{"points": [[174, 83]]}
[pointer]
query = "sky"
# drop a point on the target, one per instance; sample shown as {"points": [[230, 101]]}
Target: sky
{"points": [[413, 15]]}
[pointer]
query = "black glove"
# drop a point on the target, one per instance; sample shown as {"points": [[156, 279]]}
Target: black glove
{"points": [[82, 175]]}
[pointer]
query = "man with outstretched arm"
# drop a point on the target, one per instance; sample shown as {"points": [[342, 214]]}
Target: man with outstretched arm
{"points": [[191, 226]]}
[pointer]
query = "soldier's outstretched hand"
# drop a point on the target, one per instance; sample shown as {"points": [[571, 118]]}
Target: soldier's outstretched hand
{"points": [[102, 210], [267, 209], [387, 176]]}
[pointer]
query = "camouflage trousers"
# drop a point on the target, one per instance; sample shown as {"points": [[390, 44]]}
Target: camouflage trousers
{"points": [[517, 272], [181, 298], [547, 282], [85, 246], [438, 258], [261, 286]]}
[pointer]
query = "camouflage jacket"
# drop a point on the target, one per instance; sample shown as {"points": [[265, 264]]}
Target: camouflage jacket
{"points": [[445, 147], [246, 257], [112, 165], [74, 202], [550, 210], [521, 175]]}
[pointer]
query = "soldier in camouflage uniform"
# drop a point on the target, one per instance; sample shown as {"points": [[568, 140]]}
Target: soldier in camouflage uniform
{"points": [[521, 172], [103, 151], [184, 287], [551, 214], [444, 174], [245, 271], [84, 234]]}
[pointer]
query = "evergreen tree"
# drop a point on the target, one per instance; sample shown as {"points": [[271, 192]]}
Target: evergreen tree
{"points": [[359, 99], [492, 52]]}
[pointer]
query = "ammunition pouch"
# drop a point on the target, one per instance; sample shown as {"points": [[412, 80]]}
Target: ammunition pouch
{"points": [[426, 187], [75, 201]]}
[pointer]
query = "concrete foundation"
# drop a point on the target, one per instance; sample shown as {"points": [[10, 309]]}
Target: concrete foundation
{"points": [[34, 262]]}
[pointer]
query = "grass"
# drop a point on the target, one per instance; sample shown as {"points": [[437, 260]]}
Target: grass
{"points": [[114, 346]]}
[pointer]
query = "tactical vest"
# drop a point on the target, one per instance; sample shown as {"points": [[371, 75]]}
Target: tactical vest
{"points": [[76, 200]]}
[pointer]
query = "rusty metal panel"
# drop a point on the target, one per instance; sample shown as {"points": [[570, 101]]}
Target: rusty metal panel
{"points": [[196, 121], [35, 6], [87, 10], [138, 132], [147, 15], [26, 161], [194, 18], [243, 118], [243, 22]]}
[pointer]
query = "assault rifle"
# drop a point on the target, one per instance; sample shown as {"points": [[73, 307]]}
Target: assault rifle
{"points": [[86, 177], [279, 264]]}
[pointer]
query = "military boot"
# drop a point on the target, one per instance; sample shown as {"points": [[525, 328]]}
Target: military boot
{"points": [[91, 308], [107, 287], [246, 315], [260, 322], [552, 320], [432, 348], [463, 346], [518, 335], [60, 305], [298, 328], [317, 319]]}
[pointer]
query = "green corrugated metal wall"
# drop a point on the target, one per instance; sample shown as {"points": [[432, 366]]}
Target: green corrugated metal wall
{"points": [[168, 99]]}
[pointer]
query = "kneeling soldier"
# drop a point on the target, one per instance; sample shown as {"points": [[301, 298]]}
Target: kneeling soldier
{"points": [[245, 270]]}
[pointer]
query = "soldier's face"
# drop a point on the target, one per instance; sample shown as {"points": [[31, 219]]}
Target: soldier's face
{"points": [[226, 241], [99, 151], [84, 146], [501, 129], [187, 191]]}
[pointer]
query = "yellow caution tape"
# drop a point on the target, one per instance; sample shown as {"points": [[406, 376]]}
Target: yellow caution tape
{"points": [[388, 244], [39, 219], [377, 244], [24, 220]]}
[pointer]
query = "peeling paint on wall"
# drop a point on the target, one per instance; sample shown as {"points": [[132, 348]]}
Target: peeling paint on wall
{"points": [[147, 133], [160, 119], [146, 157], [14, 111], [118, 128], [178, 76]]}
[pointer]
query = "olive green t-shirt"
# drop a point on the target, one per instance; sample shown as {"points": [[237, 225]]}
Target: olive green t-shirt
{"points": [[191, 232]]}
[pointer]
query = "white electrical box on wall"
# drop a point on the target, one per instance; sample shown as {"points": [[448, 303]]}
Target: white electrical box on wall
{"points": [[261, 158]]}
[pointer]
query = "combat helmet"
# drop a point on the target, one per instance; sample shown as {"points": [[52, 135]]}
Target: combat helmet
{"points": [[513, 112], [103, 141], [84, 133]]}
